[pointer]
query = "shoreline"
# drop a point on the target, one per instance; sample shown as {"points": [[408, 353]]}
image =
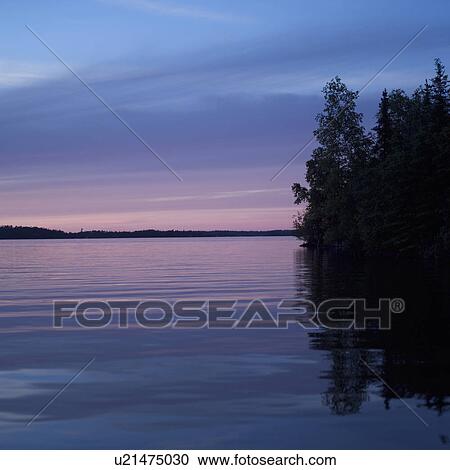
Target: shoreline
{"points": [[39, 233]]}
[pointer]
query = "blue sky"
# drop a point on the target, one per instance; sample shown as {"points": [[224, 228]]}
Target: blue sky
{"points": [[224, 91]]}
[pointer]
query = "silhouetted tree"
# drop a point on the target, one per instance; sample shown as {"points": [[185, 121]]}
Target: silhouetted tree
{"points": [[390, 194]]}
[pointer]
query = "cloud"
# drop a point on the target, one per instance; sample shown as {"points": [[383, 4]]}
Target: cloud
{"points": [[231, 106], [217, 195], [20, 74], [172, 9]]}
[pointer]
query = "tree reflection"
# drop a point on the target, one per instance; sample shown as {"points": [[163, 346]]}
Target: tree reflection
{"points": [[412, 358]]}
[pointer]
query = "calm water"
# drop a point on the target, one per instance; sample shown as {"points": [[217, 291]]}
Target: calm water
{"points": [[218, 388]]}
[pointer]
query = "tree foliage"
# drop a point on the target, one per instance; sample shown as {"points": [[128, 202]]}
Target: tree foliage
{"points": [[386, 191]]}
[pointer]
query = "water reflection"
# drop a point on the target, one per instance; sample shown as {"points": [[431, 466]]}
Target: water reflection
{"points": [[218, 388], [413, 358]]}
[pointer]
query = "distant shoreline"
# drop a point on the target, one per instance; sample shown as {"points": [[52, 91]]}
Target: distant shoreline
{"points": [[8, 232]]}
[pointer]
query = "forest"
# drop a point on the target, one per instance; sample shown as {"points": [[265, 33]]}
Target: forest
{"points": [[386, 190], [9, 232]]}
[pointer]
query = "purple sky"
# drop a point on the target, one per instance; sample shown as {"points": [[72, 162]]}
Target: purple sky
{"points": [[225, 92]]}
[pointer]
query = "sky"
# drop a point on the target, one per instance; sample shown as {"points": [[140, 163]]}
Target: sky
{"points": [[224, 93]]}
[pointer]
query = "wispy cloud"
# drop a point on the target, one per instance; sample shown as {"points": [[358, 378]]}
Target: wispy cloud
{"points": [[172, 9], [217, 195], [16, 74]]}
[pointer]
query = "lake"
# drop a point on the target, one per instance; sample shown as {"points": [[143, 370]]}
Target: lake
{"points": [[218, 388]]}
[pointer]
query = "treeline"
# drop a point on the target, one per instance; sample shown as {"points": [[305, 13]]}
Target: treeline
{"points": [[386, 191], [8, 232]]}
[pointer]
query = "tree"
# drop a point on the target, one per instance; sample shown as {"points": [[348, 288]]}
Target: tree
{"points": [[383, 128], [331, 217], [386, 193]]}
